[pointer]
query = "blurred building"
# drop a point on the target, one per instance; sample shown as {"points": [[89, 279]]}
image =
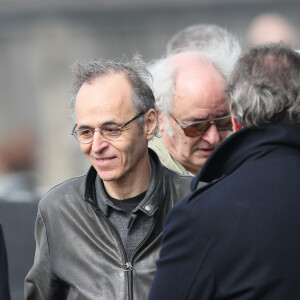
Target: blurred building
{"points": [[39, 40]]}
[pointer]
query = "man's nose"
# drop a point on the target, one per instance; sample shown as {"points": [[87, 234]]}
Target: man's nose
{"points": [[212, 135], [99, 142]]}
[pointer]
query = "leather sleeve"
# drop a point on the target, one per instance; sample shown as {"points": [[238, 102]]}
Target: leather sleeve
{"points": [[4, 287], [37, 281]]}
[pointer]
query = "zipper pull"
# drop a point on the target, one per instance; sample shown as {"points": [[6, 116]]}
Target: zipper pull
{"points": [[127, 267]]}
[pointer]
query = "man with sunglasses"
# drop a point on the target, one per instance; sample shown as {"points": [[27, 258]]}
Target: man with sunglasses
{"points": [[238, 236], [193, 111], [98, 236]]}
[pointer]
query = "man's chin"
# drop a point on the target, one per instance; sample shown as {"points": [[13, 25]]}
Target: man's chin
{"points": [[108, 175]]}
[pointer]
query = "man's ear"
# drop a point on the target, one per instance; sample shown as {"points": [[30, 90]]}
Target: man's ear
{"points": [[150, 123], [236, 125]]}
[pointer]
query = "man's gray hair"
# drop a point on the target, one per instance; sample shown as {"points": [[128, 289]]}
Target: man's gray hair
{"points": [[199, 37], [265, 86], [135, 71], [223, 52]]}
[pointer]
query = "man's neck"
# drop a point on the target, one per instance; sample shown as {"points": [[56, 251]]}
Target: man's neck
{"points": [[130, 185]]}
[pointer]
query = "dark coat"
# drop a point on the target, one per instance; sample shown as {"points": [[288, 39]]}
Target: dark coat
{"points": [[4, 288], [239, 236]]}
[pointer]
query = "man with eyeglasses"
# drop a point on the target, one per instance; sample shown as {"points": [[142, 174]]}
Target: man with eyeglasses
{"points": [[98, 236], [238, 237], [193, 111]]}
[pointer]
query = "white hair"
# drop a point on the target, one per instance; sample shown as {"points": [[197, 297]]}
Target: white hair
{"points": [[222, 55]]}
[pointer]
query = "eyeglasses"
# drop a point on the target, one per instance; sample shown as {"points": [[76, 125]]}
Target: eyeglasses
{"points": [[199, 128], [110, 132]]}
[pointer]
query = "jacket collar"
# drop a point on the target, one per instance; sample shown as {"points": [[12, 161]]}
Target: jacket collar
{"points": [[246, 144], [149, 204]]}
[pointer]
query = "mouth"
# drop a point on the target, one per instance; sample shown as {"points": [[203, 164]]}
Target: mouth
{"points": [[103, 161], [207, 151]]}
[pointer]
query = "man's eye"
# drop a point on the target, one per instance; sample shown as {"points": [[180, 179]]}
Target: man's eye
{"points": [[111, 130], [85, 132]]}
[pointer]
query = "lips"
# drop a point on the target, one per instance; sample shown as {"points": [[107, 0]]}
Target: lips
{"points": [[207, 151], [102, 155], [104, 158], [103, 161]]}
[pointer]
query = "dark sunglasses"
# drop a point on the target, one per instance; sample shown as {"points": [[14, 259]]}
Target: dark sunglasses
{"points": [[199, 128]]}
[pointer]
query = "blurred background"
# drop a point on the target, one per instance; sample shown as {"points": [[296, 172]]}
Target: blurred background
{"points": [[40, 40]]}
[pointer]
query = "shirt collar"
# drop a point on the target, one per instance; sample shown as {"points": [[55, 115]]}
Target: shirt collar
{"points": [[96, 195]]}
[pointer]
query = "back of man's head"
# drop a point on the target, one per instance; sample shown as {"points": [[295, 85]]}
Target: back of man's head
{"points": [[200, 37], [265, 86], [211, 40]]}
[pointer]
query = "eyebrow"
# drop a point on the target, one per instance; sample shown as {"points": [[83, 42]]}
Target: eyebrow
{"points": [[110, 123], [107, 123], [83, 127], [205, 119]]}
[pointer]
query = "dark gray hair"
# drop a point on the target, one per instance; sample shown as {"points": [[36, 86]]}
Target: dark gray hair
{"points": [[135, 71], [265, 86]]}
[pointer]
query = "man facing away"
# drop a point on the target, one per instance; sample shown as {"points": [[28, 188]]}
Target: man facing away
{"points": [[238, 237], [203, 37], [188, 86], [98, 235]]}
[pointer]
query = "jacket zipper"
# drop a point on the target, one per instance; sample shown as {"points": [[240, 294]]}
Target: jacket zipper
{"points": [[128, 265], [142, 242]]}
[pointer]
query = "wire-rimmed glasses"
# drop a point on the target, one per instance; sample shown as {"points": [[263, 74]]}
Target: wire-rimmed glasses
{"points": [[109, 131]]}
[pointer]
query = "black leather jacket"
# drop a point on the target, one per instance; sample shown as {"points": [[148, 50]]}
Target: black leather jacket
{"points": [[79, 254]]}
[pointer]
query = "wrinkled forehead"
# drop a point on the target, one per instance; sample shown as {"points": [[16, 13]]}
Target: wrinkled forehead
{"points": [[105, 95], [203, 111], [195, 90], [195, 101], [112, 88]]}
